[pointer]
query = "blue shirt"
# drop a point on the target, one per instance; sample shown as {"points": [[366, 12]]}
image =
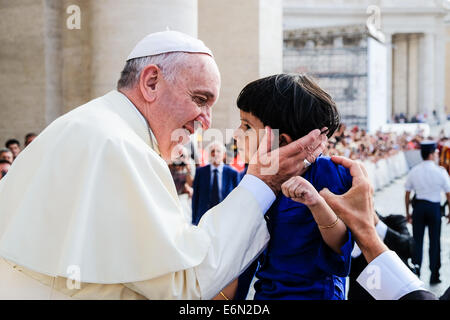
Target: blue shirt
{"points": [[297, 263]]}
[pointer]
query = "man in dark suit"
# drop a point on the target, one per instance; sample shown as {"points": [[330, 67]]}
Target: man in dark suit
{"points": [[212, 183]]}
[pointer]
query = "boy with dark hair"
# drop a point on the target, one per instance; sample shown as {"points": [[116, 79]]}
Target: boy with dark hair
{"points": [[309, 252]]}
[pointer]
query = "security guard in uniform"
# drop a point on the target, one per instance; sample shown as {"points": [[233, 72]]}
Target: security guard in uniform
{"points": [[427, 180]]}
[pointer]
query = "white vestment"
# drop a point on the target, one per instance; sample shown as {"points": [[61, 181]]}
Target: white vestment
{"points": [[90, 199]]}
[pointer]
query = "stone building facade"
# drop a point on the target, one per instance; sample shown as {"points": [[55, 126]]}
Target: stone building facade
{"points": [[337, 58], [48, 65], [415, 31]]}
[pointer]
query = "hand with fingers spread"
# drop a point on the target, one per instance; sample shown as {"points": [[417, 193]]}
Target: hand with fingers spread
{"points": [[276, 166], [355, 208]]}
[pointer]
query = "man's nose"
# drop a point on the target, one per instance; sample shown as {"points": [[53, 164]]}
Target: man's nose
{"points": [[206, 116]]}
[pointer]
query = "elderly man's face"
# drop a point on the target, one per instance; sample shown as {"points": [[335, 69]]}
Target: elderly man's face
{"points": [[216, 154], [189, 98], [8, 156]]}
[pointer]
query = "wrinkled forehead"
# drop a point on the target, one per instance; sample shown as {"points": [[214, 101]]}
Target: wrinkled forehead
{"points": [[201, 73]]}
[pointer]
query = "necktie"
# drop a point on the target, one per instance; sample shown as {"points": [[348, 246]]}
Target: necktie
{"points": [[215, 189]]}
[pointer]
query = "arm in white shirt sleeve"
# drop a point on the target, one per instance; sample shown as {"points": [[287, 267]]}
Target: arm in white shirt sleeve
{"points": [[381, 228], [408, 184], [238, 234], [261, 191], [388, 278]]}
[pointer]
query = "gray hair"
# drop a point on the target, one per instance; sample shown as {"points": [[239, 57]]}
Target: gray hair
{"points": [[169, 63], [216, 143], [2, 150]]}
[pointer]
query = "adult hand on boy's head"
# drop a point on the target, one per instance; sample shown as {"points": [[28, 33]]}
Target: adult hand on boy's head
{"points": [[278, 165]]}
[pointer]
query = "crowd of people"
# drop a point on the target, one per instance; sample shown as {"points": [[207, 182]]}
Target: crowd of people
{"points": [[11, 151], [420, 117]]}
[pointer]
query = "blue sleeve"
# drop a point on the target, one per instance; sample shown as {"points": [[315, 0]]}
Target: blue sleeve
{"points": [[333, 263], [346, 177]]}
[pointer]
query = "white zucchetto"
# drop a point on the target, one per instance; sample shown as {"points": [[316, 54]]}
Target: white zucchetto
{"points": [[168, 41]]}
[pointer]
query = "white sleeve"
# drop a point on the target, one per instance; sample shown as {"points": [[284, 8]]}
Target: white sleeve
{"points": [[238, 234], [261, 191], [388, 278], [381, 228], [408, 184]]}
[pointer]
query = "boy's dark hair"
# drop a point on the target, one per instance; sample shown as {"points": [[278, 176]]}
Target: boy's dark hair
{"points": [[292, 103], [12, 141]]}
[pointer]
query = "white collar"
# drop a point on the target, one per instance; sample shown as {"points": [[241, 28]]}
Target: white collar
{"points": [[153, 141], [219, 168]]}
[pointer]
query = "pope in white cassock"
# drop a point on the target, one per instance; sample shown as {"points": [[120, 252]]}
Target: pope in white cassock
{"points": [[89, 210]]}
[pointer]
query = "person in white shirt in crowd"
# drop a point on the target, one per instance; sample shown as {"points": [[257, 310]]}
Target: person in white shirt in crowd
{"points": [[427, 180]]}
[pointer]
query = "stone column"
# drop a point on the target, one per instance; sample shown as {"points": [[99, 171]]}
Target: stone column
{"points": [[447, 71], [53, 59], [439, 76], [413, 74], [427, 74], [389, 76], [22, 68], [246, 39], [400, 69], [116, 27], [76, 51]]}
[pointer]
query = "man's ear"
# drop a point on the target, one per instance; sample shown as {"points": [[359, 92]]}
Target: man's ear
{"points": [[284, 139], [148, 82]]}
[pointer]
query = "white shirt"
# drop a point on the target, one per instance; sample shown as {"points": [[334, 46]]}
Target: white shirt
{"points": [[388, 278], [427, 180], [381, 228], [219, 177]]}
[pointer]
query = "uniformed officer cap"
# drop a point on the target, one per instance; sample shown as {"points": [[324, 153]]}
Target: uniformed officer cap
{"points": [[428, 146]]}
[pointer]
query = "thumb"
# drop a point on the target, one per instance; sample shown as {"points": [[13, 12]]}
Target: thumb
{"points": [[330, 198], [265, 146]]}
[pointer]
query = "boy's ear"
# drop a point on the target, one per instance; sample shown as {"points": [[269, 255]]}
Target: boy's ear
{"points": [[284, 139]]}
